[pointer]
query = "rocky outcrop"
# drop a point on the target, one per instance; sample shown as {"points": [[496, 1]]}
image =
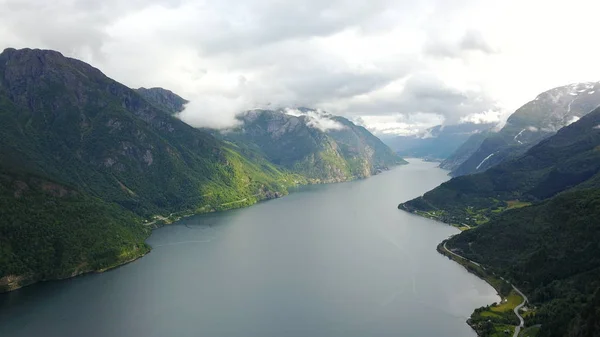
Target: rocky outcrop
{"points": [[163, 99]]}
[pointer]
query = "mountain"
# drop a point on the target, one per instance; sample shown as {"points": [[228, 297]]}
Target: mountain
{"points": [[89, 165], [85, 159], [163, 99], [550, 251], [534, 221], [465, 151], [435, 143], [569, 159], [531, 123], [317, 145]]}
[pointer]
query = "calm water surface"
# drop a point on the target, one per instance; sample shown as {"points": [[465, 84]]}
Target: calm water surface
{"points": [[329, 260]]}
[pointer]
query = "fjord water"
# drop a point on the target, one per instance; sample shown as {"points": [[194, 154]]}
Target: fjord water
{"points": [[328, 260]]}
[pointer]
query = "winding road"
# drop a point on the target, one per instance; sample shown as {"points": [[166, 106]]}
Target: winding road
{"points": [[516, 309]]}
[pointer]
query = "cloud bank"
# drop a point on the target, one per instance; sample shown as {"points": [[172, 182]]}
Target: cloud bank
{"points": [[400, 66]]}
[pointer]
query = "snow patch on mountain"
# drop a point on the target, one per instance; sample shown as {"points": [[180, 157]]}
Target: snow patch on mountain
{"points": [[572, 120]]}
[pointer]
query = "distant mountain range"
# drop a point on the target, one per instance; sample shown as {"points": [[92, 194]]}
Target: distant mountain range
{"points": [[531, 123], [89, 165], [436, 143]]}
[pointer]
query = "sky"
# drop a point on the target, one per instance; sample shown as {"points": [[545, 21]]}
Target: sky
{"points": [[397, 67]]}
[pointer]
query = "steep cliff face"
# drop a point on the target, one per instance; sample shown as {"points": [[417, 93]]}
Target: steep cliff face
{"points": [[322, 147], [531, 123]]}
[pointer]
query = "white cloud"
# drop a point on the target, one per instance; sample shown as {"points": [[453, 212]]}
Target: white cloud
{"points": [[400, 124], [485, 117], [471, 41], [293, 112], [316, 119], [215, 112], [456, 60]]}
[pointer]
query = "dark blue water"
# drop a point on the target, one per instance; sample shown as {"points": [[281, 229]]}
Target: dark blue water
{"points": [[330, 260]]}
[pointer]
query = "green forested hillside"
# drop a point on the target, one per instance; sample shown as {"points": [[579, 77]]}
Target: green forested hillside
{"points": [[563, 161], [551, 251], [65, 122], [49, 231]]}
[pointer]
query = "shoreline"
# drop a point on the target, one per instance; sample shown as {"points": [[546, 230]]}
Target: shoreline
{"points": [[158, 221], [491, 279], [22, 281]]}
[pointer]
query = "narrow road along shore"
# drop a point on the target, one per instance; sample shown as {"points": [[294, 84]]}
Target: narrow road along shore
{"points": [[516, 309]]}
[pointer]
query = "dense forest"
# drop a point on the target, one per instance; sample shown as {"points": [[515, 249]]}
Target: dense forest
{"points": [[51, 231], [551, 251]]}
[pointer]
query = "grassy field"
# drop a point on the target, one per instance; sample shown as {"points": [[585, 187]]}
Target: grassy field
{"points": [[509, 303], [493, 320], [490, 314]]}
